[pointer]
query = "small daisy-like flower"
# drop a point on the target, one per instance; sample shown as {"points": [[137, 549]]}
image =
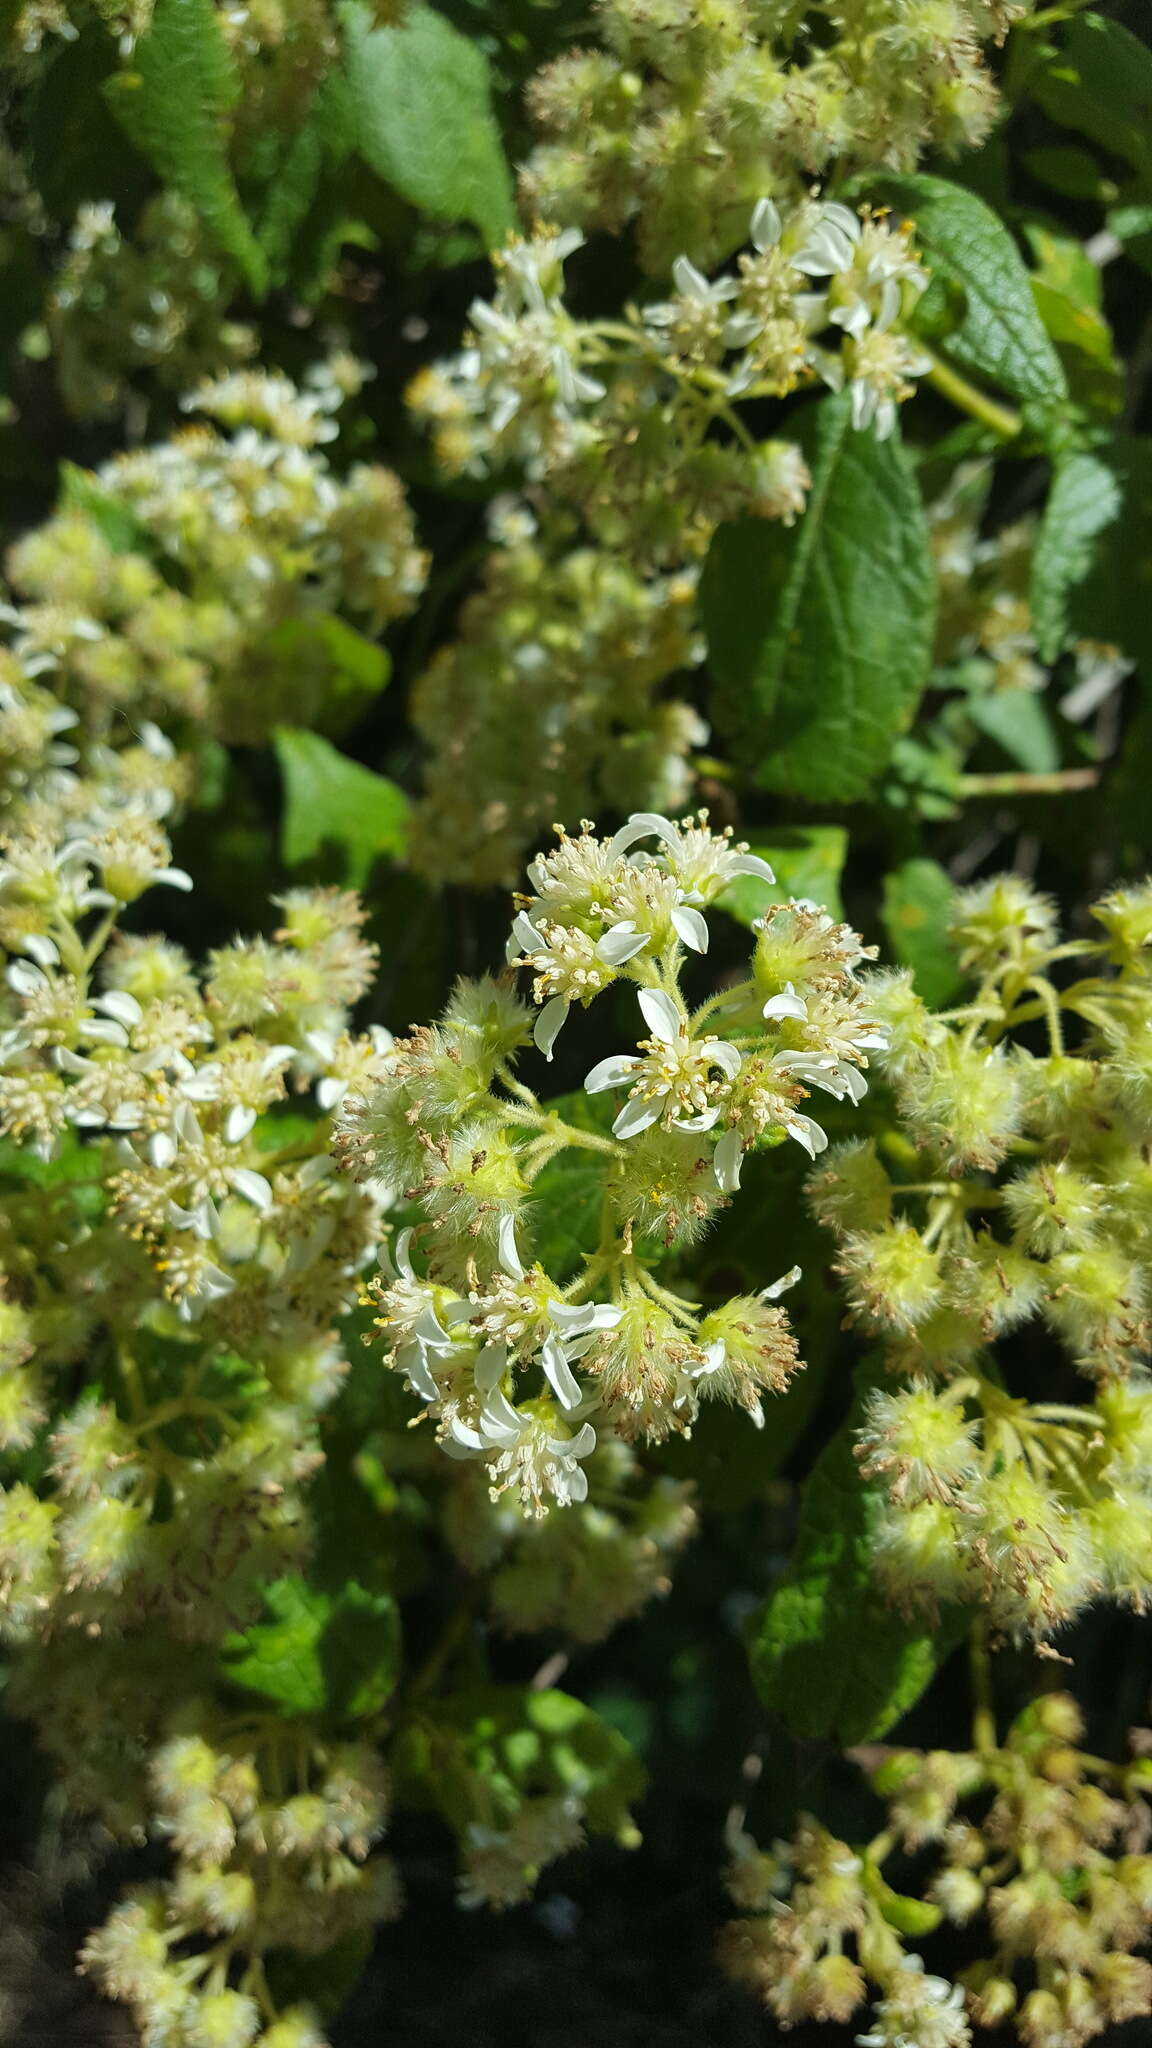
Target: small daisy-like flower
{"points": [[675, 1079]]}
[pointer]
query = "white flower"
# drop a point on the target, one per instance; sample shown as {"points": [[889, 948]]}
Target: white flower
{"points": [[920, 2012], [673, 1079], [524, 1449], [703, 863], [829, 243]]}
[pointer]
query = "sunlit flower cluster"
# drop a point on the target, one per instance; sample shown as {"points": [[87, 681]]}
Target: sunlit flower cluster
{"points": [[261, 544], [689, 113], [1027, 1201], [453, 1126], [1036, 1848], [822, 295]]}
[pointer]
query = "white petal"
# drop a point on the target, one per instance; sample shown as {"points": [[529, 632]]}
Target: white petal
{"points": [[690, 928], [238, 1123], [690, 282], [464, 1436], [549, 1025], [636, 1116], [766, 225], [715, 1356], [727, 1161], [559, 1374], [403, 1254], [523, 929], [102, 1031], [490, 1368], [726, 1057], [782, 1285], [176, 878], [252, 1186], [807, 1133], [161, 1149], [412, 1361], [703, 1122], [577, 1485], [661, 1015], [644, 825], [573, 1318], [787, 1004], [506, 1241], [330, 1092], [620, 943], [25, 980], [579, 1445], [613, 1072], [499, 1421], [40, 948], [751, 864]]}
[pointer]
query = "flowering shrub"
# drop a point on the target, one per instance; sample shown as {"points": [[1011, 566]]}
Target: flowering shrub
{"points": [[562, 1353]]}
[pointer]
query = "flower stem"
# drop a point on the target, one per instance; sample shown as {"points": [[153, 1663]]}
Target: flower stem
{"points": [[975, 403]]}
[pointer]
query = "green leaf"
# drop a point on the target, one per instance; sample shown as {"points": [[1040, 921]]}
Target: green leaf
{"points": [[1112, 601], [421, 108], [807, 861], [828, 1656], [1100, 83], [1085, 498], [320, 1652], [821, 634], [1069, 171], [521, 1744], [332, 802], [1019, 721], [918, 898], [315, 672], [292, 190], [174, 103], [1000, 336]]}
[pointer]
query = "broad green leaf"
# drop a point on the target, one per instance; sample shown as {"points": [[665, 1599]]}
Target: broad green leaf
{"points": [[332, 802], [829, 1657], [807, 861], [1019, 721], [1066, 286], [918, 898], [820, 634], [314, 672], [1085, 498], [1000, 335], [319, 1653], [1070, 171], [292, 190], [423, 121], [1100, 83], [174, 102]]}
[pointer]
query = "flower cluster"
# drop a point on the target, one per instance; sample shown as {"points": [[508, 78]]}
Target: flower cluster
{"points": [[1037, 1849], [271, 1833], [685, 116], [1021, 1196], [821, 295], [158, 301], [582, 1572], [628, 435], [452, 1124], [258, 540], [572, 651]]}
